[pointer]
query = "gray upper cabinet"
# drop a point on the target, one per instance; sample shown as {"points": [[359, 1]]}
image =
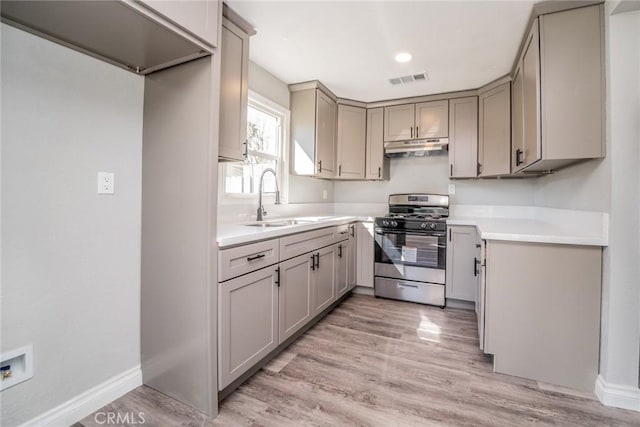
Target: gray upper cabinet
{"points": [[351, 142], [463, 263], [412, 121], [399, 121], [432, 119], [234, 92], [248, 322], [199, 17], [313, 132], [463, 137], [494, 133], [376, 163], [558, 92]]}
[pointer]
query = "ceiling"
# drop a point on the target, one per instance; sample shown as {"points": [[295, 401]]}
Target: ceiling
{"points": [[350, 45]]}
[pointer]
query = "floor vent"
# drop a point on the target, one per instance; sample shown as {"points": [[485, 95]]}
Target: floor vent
{"points": [[422, 77]]}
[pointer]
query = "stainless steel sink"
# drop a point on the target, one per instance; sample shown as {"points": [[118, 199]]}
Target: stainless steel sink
{"points": [[280, 223]]}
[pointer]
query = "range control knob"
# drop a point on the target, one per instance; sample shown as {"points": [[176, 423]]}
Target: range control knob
{"points": [[424, 225], [433, 226], [385, 223], [394, 224]]}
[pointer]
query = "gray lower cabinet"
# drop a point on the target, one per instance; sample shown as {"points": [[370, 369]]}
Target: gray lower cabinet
{"points": [[343, 259], [463, 263], [248, 322], [324, 278], [296, 276], [351, 256]]}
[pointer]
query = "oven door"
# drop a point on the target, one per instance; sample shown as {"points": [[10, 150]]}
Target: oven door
{"points": [[411, 255]]}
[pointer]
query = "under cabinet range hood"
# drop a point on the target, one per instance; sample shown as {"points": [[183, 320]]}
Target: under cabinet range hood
{"points": [[416, 147]]}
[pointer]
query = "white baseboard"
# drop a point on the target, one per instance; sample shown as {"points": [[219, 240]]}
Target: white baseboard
{"points": [[84, 404], [618, 396]]}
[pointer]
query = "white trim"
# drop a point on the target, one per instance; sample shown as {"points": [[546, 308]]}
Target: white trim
{"points": [[77, 408], [618, 396], [363, 290]]}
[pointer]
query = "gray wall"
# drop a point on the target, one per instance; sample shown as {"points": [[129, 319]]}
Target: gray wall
{"points": [[301, 189], [70, 258], [430, 175]]}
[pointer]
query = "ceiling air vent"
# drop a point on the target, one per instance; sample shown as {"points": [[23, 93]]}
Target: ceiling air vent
{"points": [[409, 79]]}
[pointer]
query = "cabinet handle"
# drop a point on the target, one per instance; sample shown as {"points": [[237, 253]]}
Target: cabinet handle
{"points": [[339, 170], [417, 132], [255, 257], [379, 172], [451, 169], [343, 232], [339, 251], [479, 169], [519, 157], [313, 261], [353, 230], [318, 260], [246, 148], [278, 276], [449, 234], [319, 166], [411, 131], [476, 261]]}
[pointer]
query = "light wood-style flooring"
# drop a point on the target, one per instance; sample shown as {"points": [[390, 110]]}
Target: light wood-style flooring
{"points": [[377, 362]]}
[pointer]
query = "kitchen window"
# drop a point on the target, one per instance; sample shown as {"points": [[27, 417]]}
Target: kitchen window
{"points": [[267, 125]]}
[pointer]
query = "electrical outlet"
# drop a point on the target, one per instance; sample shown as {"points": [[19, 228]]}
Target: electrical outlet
{"points": [[324, 195], [452, 189], [106, 183]]}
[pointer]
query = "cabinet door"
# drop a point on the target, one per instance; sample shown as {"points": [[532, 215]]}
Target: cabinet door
{"points": [[494, 136], [351, 255], [532, 151], [463, 138], [375, 144], [342, 280], [200, 18], [351, 143], [399, 122], [234, 92], [295, 295], [248, 322], [432, 119], [462, 263], [365, 254], [481, 298], [326, 117], [324, 283], [517, 119]]}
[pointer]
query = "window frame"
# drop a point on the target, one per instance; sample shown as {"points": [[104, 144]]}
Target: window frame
{"points": [[266, 105]]}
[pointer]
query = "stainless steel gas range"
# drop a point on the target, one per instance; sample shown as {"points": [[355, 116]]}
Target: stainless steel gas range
{"points": [[411, 249]]}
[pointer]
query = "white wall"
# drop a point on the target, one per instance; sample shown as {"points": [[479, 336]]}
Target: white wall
{"points": [[70, 258], [430, 175]]}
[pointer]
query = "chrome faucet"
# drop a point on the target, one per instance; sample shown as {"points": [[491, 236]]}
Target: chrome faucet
{"points": [[261, 210]]}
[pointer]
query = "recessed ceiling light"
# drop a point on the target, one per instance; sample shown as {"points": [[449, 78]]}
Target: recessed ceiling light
{"points": [[403, 57]]}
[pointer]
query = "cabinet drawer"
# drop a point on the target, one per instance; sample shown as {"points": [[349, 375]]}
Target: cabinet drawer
{"points": [[299, 244], [342, 232], [235, 262]]}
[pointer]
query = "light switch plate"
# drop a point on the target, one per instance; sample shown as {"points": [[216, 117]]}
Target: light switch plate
{"points": [[106, 183], [452, 189]]}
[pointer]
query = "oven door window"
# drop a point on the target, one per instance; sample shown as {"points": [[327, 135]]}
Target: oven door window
{"points": [[416, 249]]}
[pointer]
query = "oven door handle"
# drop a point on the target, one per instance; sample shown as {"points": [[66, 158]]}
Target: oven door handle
{"points": [[404, 285], [412, 232]]}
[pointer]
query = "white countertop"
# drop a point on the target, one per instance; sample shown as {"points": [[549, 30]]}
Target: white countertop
{"points": [[511, 223], [231, 234], [536, 225]]}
